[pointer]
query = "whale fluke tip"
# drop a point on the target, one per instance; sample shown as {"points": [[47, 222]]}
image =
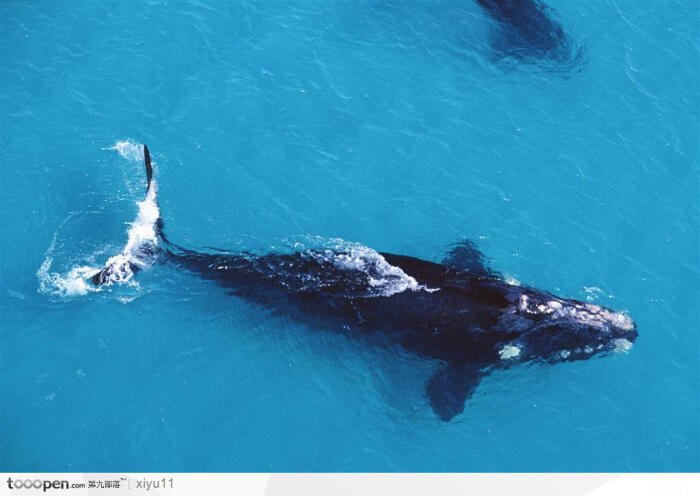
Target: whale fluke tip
{"points": [[149, 167]]}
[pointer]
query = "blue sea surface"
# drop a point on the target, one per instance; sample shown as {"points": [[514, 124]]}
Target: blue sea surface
{"points": [[393, 124]]}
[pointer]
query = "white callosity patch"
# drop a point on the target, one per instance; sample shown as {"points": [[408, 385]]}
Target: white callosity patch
{"points": [[523, 304], [622, 321], [584, 313], [622, 345], [548, 307], [598, 316], [509, 352]]}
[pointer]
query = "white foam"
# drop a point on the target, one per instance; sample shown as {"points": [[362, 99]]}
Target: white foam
{"points": [[76, 281], [142, 237], [128, 149], [385, 278], [143, 229], [73, 283], [141, 246]]}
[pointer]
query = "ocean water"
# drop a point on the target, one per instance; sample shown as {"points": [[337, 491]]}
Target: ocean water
{"points": [[397, 125]]}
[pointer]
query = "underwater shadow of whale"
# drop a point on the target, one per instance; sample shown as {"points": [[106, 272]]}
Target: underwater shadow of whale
{"points": [[525, 30]]}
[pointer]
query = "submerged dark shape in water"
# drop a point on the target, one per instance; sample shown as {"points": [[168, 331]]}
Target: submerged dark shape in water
{"points": [[459, 311], [526, 31]]}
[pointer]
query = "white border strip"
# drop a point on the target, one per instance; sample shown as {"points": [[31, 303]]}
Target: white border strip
{"points": [[186, 484]]}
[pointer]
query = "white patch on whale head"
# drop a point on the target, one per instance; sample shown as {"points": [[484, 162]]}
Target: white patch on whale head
{"points": [[509, 351], [622, 345], [584, 313], [623, 321], [554, 305], [522, 305]]}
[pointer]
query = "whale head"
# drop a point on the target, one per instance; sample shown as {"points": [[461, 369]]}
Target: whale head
{"points": [[567, 330]]}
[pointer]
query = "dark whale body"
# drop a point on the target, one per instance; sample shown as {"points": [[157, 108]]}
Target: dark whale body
{"points": [[459, 311], [527, 31]]}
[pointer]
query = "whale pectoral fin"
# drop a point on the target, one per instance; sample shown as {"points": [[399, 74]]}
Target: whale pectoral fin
{"points": [[451, 387], [466, 257]]}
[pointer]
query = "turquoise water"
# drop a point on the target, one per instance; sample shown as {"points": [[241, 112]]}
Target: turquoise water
{"points": [[393, 124]]}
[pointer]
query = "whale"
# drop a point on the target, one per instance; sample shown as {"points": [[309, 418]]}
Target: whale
{"points": [[458, 312], [525, 30]]}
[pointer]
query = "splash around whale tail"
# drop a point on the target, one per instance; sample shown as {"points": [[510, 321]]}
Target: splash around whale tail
{"points": [[145, 233]]}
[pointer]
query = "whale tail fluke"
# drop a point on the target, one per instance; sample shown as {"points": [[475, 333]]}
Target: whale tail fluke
{"points": [[149, 167], [100, 277], [142, 248]]}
